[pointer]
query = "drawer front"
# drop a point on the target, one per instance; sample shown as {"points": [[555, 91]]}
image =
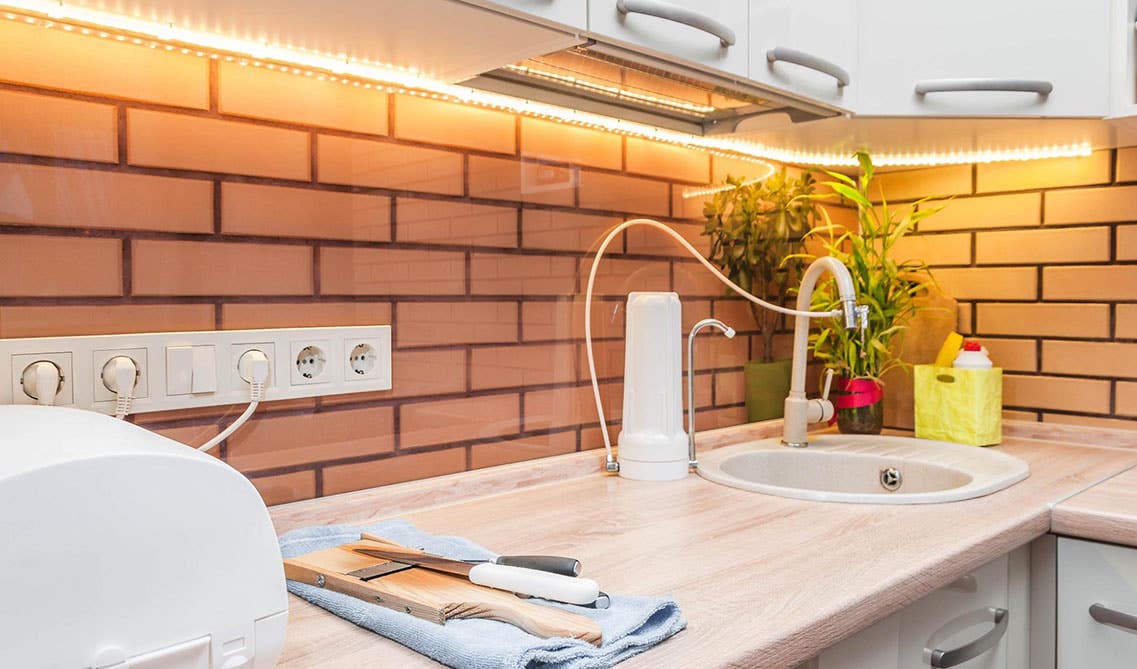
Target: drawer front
{"points": [[677, 29], [807, 47], [1091, 574], [572, 13]]}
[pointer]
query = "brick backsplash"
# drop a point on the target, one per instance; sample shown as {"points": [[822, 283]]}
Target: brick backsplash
{"points": [[147, 190]]}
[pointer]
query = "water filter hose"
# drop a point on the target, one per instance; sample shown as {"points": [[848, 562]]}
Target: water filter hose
{"points": [[611, 464]]}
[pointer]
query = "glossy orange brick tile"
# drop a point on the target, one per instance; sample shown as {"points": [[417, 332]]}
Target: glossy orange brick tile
{"points": [[989, 283], [372, 271], [739, 168], [947, 249], [1035, 320], [448, 124], [1127, 164], [431, 372], [607, 355], [283, 441], [651, 241], [1090, 282], [257, 316], [1054, 392], [345, 478], [614, 192], [1014, 355], [278, 211], [1091, 205], [718, 352], [442, 222], [735, 313], [1127, 321], [923, 182], [686, 204], [565, 319], [693, 280], [572, 405], [74, 62], [1043, 246], [43, 266], [565, 143], [94, 199], [1055, 172], [522, 181], [986, 211], [219, 268], [1127, 242], [50, 321], [567, 231], [525, 448], [651, 158], [261, 93], [1090, 358], [162, 139], [283, 488], [58, 127], [361, 162], [501, 274], [964, 323], [522, 365], [730, 388], [620, 276], [190, 435], [446, 421], [444, 323], [1127, 398]]}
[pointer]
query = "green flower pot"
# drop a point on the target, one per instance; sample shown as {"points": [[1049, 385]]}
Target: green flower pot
{"points": [[767, 384]]}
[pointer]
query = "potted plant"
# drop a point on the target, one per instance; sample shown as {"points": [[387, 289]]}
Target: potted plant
{"points": [[890, 287], [756, 230]]}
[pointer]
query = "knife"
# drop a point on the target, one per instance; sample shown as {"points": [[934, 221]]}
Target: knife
{"points": [[568, 589], [553, 564]]}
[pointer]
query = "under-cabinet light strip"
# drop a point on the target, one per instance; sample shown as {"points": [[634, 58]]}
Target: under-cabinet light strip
{"points": [[370, 74]]}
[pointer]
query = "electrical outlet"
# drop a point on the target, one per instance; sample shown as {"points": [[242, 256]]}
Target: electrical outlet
{"points": [[61, 359], [100, 358], [235, 377], [310, 362], [368, 359]]}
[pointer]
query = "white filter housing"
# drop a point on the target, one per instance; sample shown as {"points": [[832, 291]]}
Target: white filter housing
{"points": [[653, 445], [125, 549]]}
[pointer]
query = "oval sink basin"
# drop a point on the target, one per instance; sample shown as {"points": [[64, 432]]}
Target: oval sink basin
{"points": [[864, 469]]}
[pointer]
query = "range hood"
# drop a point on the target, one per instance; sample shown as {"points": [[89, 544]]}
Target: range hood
{"points": [[608, 80]]}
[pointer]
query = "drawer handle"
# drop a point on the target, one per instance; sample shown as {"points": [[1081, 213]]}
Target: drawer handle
{"points": [[1107, 616], [1042, 88], [670, 12], [810, 61], [941, 659]]}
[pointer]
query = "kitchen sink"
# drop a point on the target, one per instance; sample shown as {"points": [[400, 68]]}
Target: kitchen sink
{"points": [[864, 469]]}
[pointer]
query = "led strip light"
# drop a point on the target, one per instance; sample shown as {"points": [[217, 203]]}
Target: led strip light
{"points": [[369, 74]]}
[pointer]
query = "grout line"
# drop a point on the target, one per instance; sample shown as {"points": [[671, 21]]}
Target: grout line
{"points": [[121, 136], [127, 267], [214, 85]]}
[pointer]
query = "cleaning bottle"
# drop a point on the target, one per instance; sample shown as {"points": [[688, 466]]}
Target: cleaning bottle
{"points": [[973, 356]]}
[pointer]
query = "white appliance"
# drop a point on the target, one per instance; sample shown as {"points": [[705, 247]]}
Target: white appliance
{"points": [[124, 549], [653, 445]]}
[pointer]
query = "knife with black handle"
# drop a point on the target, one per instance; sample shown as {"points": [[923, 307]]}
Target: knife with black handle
{"points": [[554, 564]]}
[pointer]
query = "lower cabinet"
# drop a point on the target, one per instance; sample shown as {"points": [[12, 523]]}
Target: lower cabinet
{"points": [[980, 621], [1097, 605]]}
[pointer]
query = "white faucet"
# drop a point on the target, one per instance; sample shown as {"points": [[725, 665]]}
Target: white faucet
{"points": [[800, 411]]}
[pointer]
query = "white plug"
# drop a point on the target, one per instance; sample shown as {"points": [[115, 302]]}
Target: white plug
{"points": [[120, 376], [253, 368], [42, 380]]}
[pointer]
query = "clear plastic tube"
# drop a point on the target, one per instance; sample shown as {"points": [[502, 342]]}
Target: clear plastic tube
{"points": [[611, 461]]}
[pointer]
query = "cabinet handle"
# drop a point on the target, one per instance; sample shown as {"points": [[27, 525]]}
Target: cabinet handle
{"points": [[1107, 616], [809, 61], [1042, 88], [670, 12], [941, 659]]}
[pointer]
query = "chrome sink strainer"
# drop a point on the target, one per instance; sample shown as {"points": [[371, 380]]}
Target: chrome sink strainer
{"points": [[891, 479]]}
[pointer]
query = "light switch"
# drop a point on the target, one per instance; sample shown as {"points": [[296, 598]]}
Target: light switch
{"points": [[179, 370], [204, 369]]}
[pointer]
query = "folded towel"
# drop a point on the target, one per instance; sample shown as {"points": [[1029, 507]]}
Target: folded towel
{"points": [[630, 625]]}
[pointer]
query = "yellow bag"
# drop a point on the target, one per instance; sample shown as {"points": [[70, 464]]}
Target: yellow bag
{"points": [[960, 405]]}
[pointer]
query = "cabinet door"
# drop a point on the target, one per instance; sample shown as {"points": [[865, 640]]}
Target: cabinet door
{"points": [[908, 46], [807, 47], [1096, 580], [573, 13], [712, 33]]}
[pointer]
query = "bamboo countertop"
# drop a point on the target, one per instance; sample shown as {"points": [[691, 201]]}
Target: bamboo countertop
{"points": [[1105, 512], [764, 581]]}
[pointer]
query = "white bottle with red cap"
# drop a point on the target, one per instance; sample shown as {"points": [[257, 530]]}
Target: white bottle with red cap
{"points": [[972, 356]]}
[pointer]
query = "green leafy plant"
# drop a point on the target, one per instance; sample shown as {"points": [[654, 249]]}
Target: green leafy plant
{"points": [[756, 231], [888, 286]]}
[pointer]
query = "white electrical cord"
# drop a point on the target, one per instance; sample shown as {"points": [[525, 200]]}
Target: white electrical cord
{"points": [[611, 461], [257, 366]]}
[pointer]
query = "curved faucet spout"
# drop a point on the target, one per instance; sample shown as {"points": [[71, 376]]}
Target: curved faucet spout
{"points": [[729, 333]]}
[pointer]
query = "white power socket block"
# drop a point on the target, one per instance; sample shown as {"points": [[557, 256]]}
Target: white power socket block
{"points": [[291, 375]]}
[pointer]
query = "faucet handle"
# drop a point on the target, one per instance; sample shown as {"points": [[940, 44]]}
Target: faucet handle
{"points": [[828, 384]]}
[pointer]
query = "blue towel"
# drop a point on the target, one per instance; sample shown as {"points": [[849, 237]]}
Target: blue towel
{"points": [[630, 625]]}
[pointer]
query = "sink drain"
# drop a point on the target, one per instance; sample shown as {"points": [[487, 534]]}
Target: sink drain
{"points": [[890, 479]]}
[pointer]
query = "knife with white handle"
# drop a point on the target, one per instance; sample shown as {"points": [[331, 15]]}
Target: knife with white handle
{"points": [[532, 582]]}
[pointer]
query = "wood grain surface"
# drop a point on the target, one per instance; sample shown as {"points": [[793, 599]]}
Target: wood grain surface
{"points": [[1105, 512], [764, 581]]}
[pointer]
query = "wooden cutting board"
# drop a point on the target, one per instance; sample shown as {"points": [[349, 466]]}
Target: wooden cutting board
{"points": [[434, 596]]}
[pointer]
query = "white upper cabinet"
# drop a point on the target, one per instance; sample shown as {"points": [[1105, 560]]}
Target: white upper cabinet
{"points": [[571, 13], [711, 33], [983, 58], [806, 47]]}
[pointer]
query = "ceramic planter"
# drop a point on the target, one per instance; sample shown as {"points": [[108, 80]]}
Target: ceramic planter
{"points": [[860, 406], [767, 384]]}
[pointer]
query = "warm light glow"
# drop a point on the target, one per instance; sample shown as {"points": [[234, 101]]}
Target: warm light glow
{"points": [[388, 78], [613, 91], [689, 193]]}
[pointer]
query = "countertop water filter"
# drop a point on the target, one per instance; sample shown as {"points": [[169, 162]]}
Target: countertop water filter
{"points": [[653, 445]]}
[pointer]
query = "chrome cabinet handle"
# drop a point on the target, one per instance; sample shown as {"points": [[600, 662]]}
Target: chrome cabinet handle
{"points": [[1107, 616], [670, 12], [1038, 87], [810, 61], [941, 659]]}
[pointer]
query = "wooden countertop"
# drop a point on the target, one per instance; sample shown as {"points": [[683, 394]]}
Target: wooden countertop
{"points": [[764, 581], [1105, 512]]}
